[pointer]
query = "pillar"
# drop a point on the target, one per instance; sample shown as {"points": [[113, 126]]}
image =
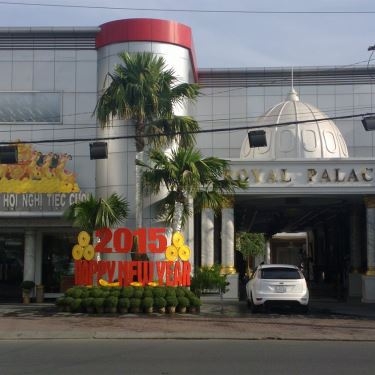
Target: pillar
{"points": [[207, 235], [368, 280], [29, 256], [355, 278], [227, 240]]}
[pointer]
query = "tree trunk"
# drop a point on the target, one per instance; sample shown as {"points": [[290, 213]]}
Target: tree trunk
{"points": [[177, 217], [138, 192]]}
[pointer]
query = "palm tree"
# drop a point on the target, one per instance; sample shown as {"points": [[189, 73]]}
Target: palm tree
{"points": [[142, 89], [96, 213], [187, 174]]}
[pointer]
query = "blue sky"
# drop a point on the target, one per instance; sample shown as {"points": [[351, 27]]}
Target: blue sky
{"points": [[230, 39]]}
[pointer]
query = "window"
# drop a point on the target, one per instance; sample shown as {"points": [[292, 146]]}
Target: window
{"points": [[280, 273], [30, 107]]}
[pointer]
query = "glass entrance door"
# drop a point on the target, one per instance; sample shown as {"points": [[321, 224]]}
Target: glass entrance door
{"points": [[11, 266]]}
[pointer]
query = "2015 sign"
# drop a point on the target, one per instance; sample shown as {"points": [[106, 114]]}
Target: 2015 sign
{"points": [[151, 240]]}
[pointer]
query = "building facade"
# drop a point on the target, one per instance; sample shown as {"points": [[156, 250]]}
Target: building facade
{"points": [[308, 179]]}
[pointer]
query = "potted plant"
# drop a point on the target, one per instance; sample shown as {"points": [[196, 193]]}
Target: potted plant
{"points": [[123, 305], [99, 305], [75, 305], [160, 304], [135, 305], [68, 304], [172, 303], [88, 304], [110, 304], [127, 291], [183, 303], [147, 304], [27, 286], [195, 304], [61, 303]]}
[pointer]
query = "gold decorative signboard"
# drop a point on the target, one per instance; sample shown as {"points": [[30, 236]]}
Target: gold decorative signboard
{"points": [[36, 172]]}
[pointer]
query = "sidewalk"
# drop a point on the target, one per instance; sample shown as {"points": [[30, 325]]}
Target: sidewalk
{"points": [[327, 320]]}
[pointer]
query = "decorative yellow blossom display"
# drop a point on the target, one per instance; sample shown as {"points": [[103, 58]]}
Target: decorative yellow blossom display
{"points": [[83, 238], [83, 249], [103, 282], [177, 248], [171, 253], [136, 283], [153, 283], [37, 173]]}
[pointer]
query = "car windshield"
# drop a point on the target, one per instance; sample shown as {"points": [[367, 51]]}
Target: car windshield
{"points": [[280, 273]]}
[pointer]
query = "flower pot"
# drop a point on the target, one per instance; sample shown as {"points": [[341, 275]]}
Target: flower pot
{"points": [[26, 296], [123, 310], [171, 309], [182, 309]]}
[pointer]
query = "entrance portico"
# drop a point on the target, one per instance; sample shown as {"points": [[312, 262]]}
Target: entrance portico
{"points": [[302, 195]]}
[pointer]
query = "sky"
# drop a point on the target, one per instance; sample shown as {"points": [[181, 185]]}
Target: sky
{"points": [[231, 34]]}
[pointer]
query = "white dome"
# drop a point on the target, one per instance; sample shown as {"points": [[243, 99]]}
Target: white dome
{"points": [[315, 139]]}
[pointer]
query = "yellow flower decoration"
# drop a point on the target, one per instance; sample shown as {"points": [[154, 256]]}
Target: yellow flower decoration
{"points": [[178, 239], [152, 283], [136, 283], [88, 252], [171, 253], [184, 252], [77, 252], [83, 238]]}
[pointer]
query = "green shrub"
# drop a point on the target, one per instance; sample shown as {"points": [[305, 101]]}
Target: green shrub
{"points": [[208, 278], [135, 302], [148, 292], [195, 302], [88, 302], [115, 293], [138, 292], [127, 291], [183, 302], [69, 301], [98, 302], [76, 304], [170, 291], [171, 300], [180, 292], [147, 302], [111, 301], [96, 292], [159, 291], [159, 302], [124, 302]]}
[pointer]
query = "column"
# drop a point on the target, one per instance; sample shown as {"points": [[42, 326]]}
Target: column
{"points": [[227, 240], [370, 226], [29, 256], [368, 280], [227, 251], [207, 236], [355, 278], [268, 251]]}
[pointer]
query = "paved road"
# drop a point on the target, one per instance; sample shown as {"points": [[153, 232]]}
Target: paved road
{"points": [[185, 357]]}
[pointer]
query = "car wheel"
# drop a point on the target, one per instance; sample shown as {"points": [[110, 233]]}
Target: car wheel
{"points": [[254, 308], [304, 309]]}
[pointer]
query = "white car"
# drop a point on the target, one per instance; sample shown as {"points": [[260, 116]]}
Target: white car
{"points": [[277, 284]]}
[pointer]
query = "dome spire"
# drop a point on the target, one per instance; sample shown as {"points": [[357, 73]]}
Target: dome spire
{"points": [[293, 96]]}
